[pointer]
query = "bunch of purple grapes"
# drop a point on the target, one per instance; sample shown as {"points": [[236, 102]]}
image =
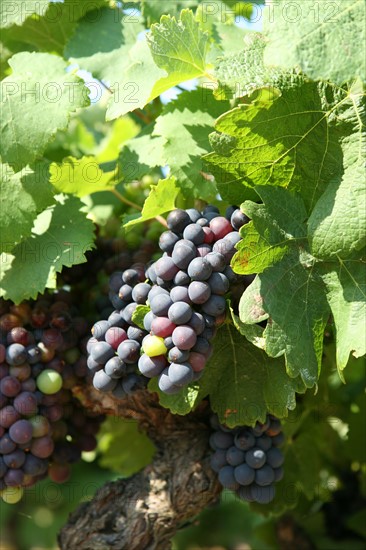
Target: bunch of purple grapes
{"points": [[43, 427], [115, 345], [248, 460], [185, 290]]}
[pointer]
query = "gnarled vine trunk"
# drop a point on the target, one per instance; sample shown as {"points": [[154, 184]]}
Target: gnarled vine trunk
{"points": [[145, 510]]}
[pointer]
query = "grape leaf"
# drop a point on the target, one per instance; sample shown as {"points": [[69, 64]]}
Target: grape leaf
{"points": [[37, 99], [160, 200], [185, 124], [15, 12], [123, 447], [243, 383], [180, 403], [322, 38], [294, 289], [340, 211], [290, 134], [153, 11], [81, 177], [61, 235], [253, 333], [22, 196], [50, 30], [141, 154], [138, 315], [346, 294], [179, 47]]}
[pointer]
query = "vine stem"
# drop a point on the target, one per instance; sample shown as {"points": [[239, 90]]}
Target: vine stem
{"points": [[123, 199]]}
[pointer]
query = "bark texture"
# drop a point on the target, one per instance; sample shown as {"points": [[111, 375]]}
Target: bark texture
{"points": [[145, 511]]}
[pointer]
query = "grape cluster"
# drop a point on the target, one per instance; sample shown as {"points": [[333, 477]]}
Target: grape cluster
{"points": [[185, 290], [114, 348], [187, 300], [248, 460], [43, 427]]}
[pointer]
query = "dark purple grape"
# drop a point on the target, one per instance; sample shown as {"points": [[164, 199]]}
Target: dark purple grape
{"points": [[177, 355], [101, 352], [227, 478], [128, 311], [264, 442], [166, 385], [21, 431], [16, 354], [275, 457], [151, 366], [8, 415], [215, 305], [165, 268], [14, 478], [10, 386], [115, 319], [194, 232], [15, 459], [115, 368], [197, 361], [180, 374], [7, 445], [132, 383], [264, 476], [162, 326], [103, 382], [140, 293], [115, 336], [177, 220], [115, 281], [197, 322], [221, 440], [219, 283], [181, 279], [216, 261], [255, 458], [263, 495], [129, 351], [183, 253], [202, 346], [180, 313], [199, 270], [34, 466], [160, 305], [238, 219], [130, 277], [244, 474], [99, 329], [229, 212], [235, 456], [136, 333], [26, 404], [180, 294], [218, 460], [125, 293], [193, 214], [167, 241], [199, 292], [220, 227], [148, 319], [244, 440]]}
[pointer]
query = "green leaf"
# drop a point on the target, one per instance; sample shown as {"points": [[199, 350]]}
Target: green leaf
{"points": [[253, 333], [346, 294], [138, 315], [180, 403], [15, 12], [243, 383], [50, 30], [141, 154], [22, 196], [179, 47], [288, 287], [322, 38], [37, 99], [185, 124], [153, 11], [240, 73], [337, 225], [123, 447], [160, 200], [81, 177], [61, 235], [289, 134]]}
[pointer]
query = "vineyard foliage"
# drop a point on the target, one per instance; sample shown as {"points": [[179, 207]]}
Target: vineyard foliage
{"points": [[271, 121]]}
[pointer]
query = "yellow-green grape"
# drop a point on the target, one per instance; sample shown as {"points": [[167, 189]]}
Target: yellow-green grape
{"points": [[12, 495], [49, 381], [154, 345]]}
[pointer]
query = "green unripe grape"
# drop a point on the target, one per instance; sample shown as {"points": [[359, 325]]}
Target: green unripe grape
{"points": [[49, 381], [154, 345], [12, 495], [147, 180], [40, 424]]}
